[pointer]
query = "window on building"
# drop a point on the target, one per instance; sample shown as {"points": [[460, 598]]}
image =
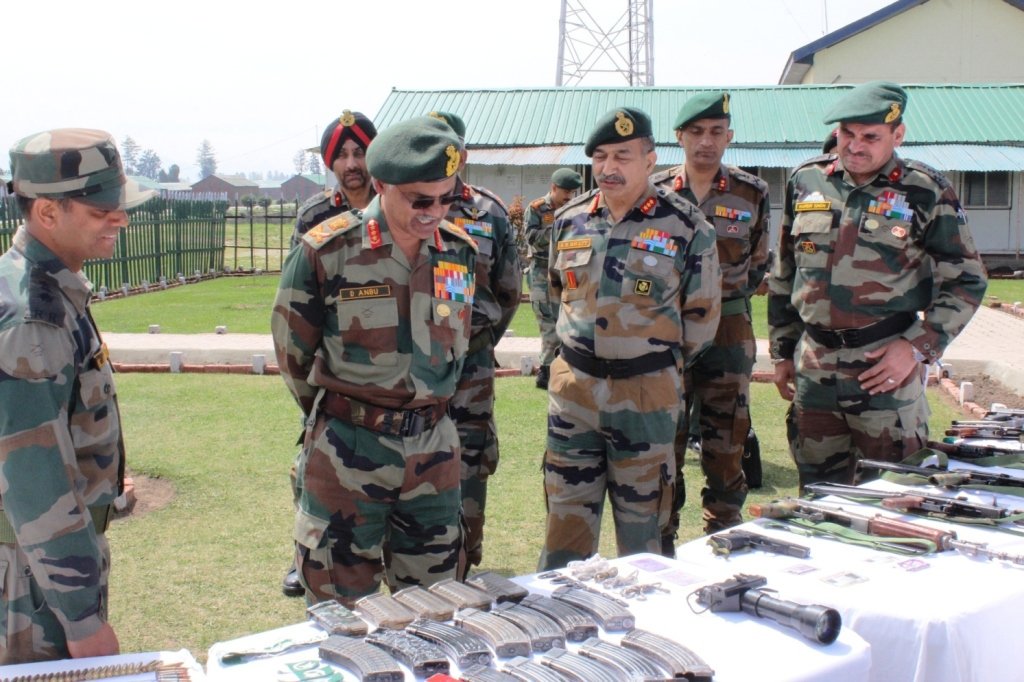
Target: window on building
{"points": [[986, 190]]}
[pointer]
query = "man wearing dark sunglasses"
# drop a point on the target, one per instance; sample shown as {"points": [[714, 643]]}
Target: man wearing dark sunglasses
{"points": [[371, 326], [498, 288]]}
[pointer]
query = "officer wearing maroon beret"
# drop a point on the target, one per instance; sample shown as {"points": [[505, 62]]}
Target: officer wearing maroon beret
{"points": [[343, 150]]}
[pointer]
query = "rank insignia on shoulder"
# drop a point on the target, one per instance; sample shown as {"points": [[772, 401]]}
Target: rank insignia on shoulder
{"points": [[573, 244], [649, 204], [808, 247], [320, 233], [373, 232], [338, 223], [102, 356], [643, 287], [548, 218], [655, 241]]}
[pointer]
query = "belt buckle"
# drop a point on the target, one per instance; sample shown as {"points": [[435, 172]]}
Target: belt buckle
{"points": [[614, 368], [848, 338], [413, 424]]}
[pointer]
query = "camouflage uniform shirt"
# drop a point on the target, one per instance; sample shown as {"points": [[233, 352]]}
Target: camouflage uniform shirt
{"points": [[60, 430], [353, 317], [318, 208], [851, 256]]}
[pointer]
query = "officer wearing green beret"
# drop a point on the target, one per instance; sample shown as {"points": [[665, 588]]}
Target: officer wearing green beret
{"points": [[60, 429], [499, 283], [736, 204], [635, 271], [371, 325], [343, 148], [876, 273], [538, 219]]}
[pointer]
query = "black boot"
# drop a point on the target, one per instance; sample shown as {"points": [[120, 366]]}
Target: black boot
{"points": [[291, 586], [543, 373]]}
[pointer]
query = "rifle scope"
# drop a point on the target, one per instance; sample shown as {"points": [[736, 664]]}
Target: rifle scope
{"points": [[740, 593]]}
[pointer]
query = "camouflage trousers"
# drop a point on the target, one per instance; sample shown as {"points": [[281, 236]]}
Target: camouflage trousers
{"points": [[472, 409], [360, 491], [614, 436], [31, 631], [545, 311], [837, 422], [718, 399]]}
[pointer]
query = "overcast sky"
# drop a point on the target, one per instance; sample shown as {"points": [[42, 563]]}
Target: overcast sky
{"points": [[260, 80]]}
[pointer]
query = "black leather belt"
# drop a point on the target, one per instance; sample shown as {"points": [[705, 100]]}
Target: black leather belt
{"points": [[404, 423], [618, 369], [861, 336]]}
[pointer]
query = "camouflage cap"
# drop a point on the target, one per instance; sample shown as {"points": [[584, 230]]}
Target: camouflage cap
{"points": [[618, 125], [421, 149], [874, 102], [350, 125], [74, 163], [704, 105], [566, 178], [453, 120]]}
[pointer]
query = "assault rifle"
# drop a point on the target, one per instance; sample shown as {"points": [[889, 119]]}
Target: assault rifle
{"points": [[741, 593], [903, 534], [916, 502], [946, 478], [968, 451]]}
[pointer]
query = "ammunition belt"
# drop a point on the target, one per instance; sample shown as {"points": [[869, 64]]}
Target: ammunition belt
{"points": [[101, 518], [404, 423]]}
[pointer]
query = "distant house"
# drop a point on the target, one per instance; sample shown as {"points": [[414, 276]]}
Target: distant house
{"points": [[271, 189], [234, 186], [302, 187]]}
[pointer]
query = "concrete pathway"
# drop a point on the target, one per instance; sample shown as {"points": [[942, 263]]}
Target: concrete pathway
{"points": [[993, 343]]}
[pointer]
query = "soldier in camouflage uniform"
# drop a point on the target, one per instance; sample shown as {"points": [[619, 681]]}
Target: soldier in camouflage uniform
{"points": [[869, 240], [498, 279], [61, 453], [371, 325], [540, 216], [343, 149], [736, 203], [636, 271]]}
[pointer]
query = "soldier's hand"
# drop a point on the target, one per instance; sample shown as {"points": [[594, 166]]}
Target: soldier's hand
{"points": [[103, 642], [895, 363], [785, 379]]}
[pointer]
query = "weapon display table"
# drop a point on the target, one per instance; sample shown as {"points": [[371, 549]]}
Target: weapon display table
{"points": [[736, 646], [144, 667], [931, 618]]}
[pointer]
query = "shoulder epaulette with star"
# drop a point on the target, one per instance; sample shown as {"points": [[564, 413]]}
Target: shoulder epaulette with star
{"points": [[458, 232], [578, 200], [483, 191], [748, 178], [665, 175], [814, 160], [537, 203], [332, 227], [941, 180], [684, 206]]}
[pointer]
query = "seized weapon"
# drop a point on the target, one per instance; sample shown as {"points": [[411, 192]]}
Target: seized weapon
{"points": [[384, 611], [498, 586], [527, 670], [336, 619], [578, 668], [678, 660], [946, 478], [367, 662], [424, 603], [507, 640], [462, 595], [423, 658], [543, 632], [630, 664], [969, 451], [741, 593], [612, 614], [916, 502], [901, 535], [576, 624], [466, 648], [736, 540]]}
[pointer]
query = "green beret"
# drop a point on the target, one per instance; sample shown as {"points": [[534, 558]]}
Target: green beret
{"points": [[453, 120], [566, 178], [704, 105], [74, 163], [422, 149], [874, 102], [618, 125]]}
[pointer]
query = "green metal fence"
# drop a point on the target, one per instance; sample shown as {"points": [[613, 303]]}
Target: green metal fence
{"points": [[172, 237]]}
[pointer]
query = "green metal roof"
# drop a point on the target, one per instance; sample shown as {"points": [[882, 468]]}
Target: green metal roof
{"points": [[768, 116]]}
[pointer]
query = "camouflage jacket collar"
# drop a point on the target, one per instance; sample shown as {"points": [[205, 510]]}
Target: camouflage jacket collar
{"points": [[720, 182], [646, 204], [74, 285]]}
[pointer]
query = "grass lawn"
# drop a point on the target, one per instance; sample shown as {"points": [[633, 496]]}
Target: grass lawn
{"points": [[207, 567]]}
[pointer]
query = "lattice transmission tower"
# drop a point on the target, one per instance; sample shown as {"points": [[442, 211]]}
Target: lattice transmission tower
{"points": [[626, 48]]}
